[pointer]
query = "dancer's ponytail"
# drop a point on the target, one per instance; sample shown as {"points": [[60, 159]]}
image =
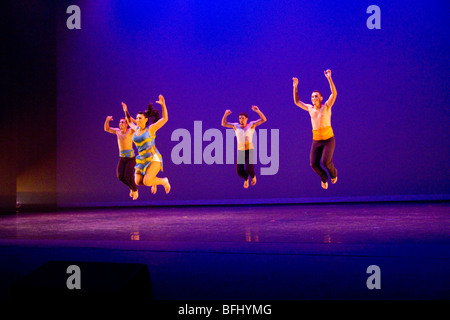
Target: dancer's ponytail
{"points": [[152, 114]]}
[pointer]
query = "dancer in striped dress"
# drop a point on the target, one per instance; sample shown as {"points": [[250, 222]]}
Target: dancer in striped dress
{"points": [[148, 161]]}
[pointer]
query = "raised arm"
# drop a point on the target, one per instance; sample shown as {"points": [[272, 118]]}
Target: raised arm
{"points": [[297, 101], [225, 123], [333, 94], [127, 114], [165, 116], [107, 127], [262, 118], [130, 120]]}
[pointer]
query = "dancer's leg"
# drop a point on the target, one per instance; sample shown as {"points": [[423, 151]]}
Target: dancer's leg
{"points": [[129, 173], [150, 178], [120, 170], [139, 179], [240, 170], [124, 176], [240, 167], [327, 158], [129, 177], [315, 156], [249, 167]]}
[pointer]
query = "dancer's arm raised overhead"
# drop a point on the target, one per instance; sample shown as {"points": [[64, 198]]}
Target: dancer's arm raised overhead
{"points": [[297, 101], [333, 94], [225, 123], [165, 116], [127, 114], [262, 118], [107, 127], [131, 121]]}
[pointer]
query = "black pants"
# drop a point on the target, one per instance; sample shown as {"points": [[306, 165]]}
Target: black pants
{"points": [[243, 166], [322, 153], [125, 172]]}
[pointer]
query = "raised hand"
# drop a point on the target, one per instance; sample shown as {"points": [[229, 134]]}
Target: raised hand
{"points": [[109, 118], [124, 106], [328, 74], [295, 81], [161, 100], [255, 108], [227, 112]]}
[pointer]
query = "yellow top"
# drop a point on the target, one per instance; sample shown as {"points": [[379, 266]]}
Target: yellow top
{"points": [[323, 133]]}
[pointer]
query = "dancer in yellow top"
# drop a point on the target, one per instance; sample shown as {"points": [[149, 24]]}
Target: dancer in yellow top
{"points": [[323, 144], [125, 167]]}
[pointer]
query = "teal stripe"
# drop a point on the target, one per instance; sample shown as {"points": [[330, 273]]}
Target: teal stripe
{"points": [[127, 153]]}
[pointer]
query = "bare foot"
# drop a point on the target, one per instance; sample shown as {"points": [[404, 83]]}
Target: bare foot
{"points": [[135, 195], [325, 185], [154, 189], [166, 185], [253, 180], [131, 193], [246, 184], [333, 181]]}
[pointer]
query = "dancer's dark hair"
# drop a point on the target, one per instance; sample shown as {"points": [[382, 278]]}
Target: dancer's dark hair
{"points": [[152, 114], [317, 92]]}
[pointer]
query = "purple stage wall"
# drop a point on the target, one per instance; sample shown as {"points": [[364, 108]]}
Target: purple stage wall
{"points": [[390, 118]]}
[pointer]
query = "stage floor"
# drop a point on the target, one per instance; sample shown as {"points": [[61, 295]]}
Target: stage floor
{"points": [[289, 252]]}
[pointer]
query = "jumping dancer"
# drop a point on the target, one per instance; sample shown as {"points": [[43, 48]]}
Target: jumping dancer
{"points": [[244, 133], [149, 161], [323, 144], [127, 161]]}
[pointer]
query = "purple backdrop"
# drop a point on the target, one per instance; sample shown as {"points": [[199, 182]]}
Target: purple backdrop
{"points": [[390, 118]]}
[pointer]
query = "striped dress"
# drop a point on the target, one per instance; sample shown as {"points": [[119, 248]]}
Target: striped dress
{"points": [[145, 144]]}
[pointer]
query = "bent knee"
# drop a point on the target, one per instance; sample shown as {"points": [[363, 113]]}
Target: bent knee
{"points": [[148, 180], [314, 165], [138, 180], [327, 164]]}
